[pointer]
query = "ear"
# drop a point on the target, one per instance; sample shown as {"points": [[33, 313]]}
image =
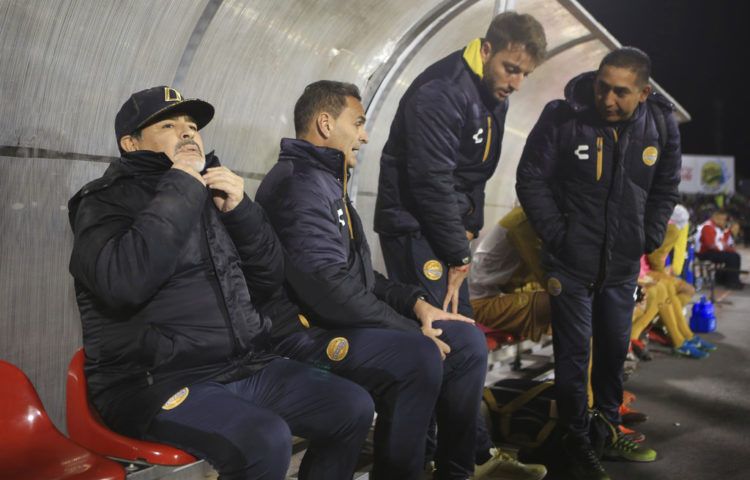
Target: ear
{"points": [[645, 92], [324, 123], [485, 51], [128, 143]]}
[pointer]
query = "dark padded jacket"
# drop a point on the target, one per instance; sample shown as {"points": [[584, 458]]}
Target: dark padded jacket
{"points": [[444, 145], [599, 195], [163, 282], [328, 264]]}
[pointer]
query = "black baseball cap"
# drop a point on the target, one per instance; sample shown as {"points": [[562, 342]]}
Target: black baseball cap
{"points": [[150, 105]]}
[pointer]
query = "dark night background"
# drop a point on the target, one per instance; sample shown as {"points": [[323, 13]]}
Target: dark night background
{"points": [[698, 50]]}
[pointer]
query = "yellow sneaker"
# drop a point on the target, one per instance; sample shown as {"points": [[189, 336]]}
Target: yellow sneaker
{"points": [[503, 466]]}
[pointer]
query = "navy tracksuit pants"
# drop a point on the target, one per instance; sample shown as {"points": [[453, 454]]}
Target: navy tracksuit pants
{"points": [[580, 313], [732, 262], [244, 428], [408, 260], [406, 377]]}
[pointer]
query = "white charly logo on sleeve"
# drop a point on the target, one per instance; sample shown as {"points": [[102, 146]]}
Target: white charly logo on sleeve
{"points": [[580, 152], [477, 136], [341, 216]]}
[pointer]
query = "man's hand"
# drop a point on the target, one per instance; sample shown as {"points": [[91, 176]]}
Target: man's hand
{"points": [[469, 235], [433, 334], [189, 170], [427, 314], [227, 187], [456, 276], [734, 229]]}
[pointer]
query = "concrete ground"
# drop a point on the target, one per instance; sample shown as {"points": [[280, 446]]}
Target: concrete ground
{"points": [[699, 410]]}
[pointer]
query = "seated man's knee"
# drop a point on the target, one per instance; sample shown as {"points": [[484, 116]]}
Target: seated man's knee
{"points": [[355, 408], [258, 448], [465, 339], [423, 356]]}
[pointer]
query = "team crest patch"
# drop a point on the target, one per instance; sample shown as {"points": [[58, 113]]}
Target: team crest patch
{"points": [[554, 287], [337, 349], [433, 270], [650, 154], [303, 320], [176, 399]]}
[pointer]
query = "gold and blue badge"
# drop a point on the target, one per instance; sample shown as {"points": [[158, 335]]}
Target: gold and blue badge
{"points": [[650, 154], [176, 399], [337, 349], [433, 270], [554, 287]]}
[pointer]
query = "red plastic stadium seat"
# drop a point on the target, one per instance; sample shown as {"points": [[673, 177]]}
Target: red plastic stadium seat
{"points": [[497, 338], [87, 429], [30, 445]]}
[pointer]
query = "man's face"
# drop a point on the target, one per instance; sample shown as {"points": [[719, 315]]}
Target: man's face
{"points": [[177, 137], [348, 132], [617, 93], [504, 71], [720, 219]]}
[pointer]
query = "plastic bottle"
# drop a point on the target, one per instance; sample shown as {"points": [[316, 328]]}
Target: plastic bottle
{"points": [[703, 319]]}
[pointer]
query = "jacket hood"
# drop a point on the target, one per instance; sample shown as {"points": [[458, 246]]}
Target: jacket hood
{"points": [[324, 158], [579, 95]]}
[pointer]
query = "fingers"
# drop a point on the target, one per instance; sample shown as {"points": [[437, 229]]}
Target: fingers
{"points": [[442, 346], [447, 301], [457, 317], [222, 179]]}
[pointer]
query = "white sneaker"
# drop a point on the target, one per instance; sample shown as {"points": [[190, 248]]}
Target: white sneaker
{"points": [[503, 466]]}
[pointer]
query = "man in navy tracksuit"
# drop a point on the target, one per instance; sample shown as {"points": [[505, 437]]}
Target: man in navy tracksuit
{"points": [[169, 258], [443, 146], [354, 321], [598, 180]]}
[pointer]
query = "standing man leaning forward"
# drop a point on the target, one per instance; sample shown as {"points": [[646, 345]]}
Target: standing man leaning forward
{"points": [[443, 146], [168, 259], [598, 181], [363, 326]]}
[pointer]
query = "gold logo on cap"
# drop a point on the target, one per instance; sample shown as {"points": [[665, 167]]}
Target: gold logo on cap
{"points": [[650, 154], [172, 95], [176, 399], [337, 349], [433, 270], [554, 287]]}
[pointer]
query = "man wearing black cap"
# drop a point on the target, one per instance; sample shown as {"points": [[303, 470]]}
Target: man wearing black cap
{"points": [[169, 258]]}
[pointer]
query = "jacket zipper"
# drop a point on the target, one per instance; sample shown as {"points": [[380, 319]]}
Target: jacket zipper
{"points": [[489, 138], [346, 207], [599, 144], [603, 258], [227, 318]]}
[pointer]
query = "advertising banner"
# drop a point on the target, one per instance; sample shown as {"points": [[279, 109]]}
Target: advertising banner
{"points": [[710, 174]]}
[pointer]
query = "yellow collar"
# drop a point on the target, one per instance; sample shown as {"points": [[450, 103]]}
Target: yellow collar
{"points": [[473, 56]]}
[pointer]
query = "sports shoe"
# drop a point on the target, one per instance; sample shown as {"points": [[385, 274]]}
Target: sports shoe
{"points": [[505, 467], [632, 435], [630, 416], [582, 460], [688, 350], [701, 344], [641, 350], [657, 335], [621, 448], [628, 397]]}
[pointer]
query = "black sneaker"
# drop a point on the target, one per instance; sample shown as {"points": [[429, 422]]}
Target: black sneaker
{"points": [[583, 464]]}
